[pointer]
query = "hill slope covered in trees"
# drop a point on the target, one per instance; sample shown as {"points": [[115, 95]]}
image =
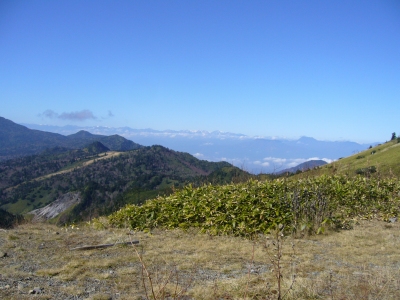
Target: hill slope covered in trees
{"points": [[106, 181]]}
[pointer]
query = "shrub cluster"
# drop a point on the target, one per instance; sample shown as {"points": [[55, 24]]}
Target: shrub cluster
{"points": [[258, 207], [366, 171], [8, 220]]}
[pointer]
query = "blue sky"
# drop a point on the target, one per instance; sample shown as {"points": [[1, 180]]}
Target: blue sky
{"points": [[325, 69]]}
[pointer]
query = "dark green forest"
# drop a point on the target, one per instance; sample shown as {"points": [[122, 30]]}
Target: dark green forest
{"points": [[106, 184]]}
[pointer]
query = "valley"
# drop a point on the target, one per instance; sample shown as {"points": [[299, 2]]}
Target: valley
{"points": [[200, 150]]}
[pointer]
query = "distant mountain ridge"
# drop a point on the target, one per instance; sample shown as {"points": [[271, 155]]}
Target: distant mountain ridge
{"points": [[254, 154], [18, 140], [304, 166]]}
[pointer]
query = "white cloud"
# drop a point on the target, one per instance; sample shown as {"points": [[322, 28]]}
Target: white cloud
{"points": [[294, 163], [263, 164], [284, 163], [328, 160], [275, 160]]}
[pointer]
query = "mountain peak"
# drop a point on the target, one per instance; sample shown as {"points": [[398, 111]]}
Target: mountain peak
{"points": [[305, 139], [82, 134], [305, 166], [96, 147]]}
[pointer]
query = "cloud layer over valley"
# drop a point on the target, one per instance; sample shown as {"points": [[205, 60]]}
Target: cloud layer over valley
{"points": [[253, 154]]}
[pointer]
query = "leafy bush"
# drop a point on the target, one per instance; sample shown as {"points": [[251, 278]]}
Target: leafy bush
{"points": [[8, 220], [258, 207], [366, 171]]}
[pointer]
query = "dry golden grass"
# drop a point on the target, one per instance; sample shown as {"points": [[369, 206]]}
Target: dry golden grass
{"points": [[362, 263]]}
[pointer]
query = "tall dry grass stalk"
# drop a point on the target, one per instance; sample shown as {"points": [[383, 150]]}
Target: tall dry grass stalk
{"points": [[161, 285]]}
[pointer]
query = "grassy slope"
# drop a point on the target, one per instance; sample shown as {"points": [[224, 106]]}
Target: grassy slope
{"points": [[385, 157]]}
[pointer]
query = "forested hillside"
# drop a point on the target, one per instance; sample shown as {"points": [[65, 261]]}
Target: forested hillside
{"points": [[25, 168], [106, 181]]}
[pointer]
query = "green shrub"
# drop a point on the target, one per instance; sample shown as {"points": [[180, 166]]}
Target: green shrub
{"points": [[8, 220], [366, 171], [258, 207]]}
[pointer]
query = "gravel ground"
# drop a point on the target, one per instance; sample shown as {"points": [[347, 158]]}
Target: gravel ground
{"points": [[36, 262], [27, 252]]}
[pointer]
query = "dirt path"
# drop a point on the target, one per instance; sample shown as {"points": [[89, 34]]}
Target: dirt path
{"points": [[86, 163]]}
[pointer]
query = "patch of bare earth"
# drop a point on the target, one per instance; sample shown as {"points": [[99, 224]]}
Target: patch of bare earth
{"points": [[362, 263], [56, 207], [109, 154]]}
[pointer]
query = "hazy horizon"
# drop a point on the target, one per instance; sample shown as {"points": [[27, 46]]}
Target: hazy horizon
{"points": [[182, 131]]}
